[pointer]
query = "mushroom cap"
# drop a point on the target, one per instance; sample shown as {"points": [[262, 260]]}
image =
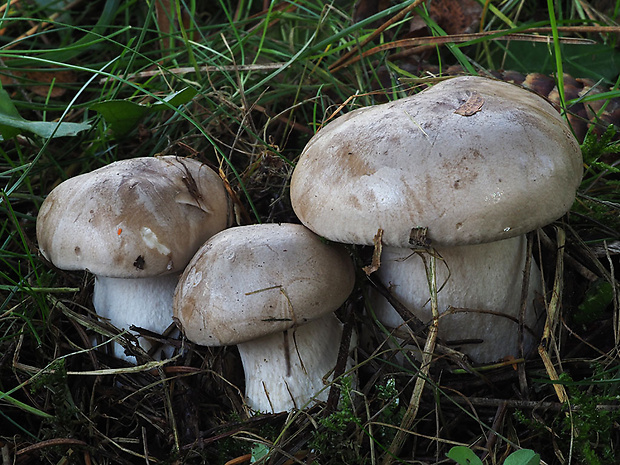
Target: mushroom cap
{"points": [[133, 218], [472, 159], [250, 281]]}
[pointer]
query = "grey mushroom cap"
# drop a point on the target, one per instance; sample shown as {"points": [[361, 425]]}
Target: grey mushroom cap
{"points": [[134, 218], [250, 281], [468, 159]]}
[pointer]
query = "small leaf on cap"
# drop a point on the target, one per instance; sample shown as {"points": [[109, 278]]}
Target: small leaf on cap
{"points": [[376, 254], [472, 106]]}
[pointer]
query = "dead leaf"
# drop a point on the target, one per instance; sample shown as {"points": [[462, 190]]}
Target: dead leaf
{"points": [[418, 237], [39, 81], [456, 16], [453, 16], [472, 106], [376, 254]]}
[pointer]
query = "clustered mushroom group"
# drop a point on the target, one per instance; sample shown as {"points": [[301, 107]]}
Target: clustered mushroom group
{"points": [[461, 170], [272, 289]]}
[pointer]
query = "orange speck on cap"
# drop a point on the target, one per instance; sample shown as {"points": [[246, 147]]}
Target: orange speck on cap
{"points": [[119, 231]]}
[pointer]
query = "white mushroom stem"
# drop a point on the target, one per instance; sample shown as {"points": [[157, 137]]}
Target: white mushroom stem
{"points": [[479, 295], [142, 302], [287, 370]]}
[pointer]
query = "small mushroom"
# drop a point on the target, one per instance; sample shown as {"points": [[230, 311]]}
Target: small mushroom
{"points": [[272, 290], [468, 166], [134, 224]]}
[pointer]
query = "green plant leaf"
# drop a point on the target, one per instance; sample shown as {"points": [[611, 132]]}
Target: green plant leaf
{"points": [[12, 124], [463, 456], [121, 115], [593, 61], [523, 457], [124, 115], [597, 298], [27, 408], [177, 98], [259, 451], [8, 110]]}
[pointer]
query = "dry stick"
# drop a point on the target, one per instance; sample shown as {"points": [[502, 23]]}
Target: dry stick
{"points": [[616, 297], [51, 443], [429, 347], [568, 259], [401, 14], [417, 326], [341, 363], [145, 446], [414, 329], [525, 287], [190, 69], [526, 404], [548, 339], [498, 420], [459, 38], [8, 4]]}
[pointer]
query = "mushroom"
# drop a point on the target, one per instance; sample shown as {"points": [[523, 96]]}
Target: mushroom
{"points": [[469, 165], [272, 290], [134, 224]]}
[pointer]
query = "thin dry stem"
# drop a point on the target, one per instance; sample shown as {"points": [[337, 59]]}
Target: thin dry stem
{"points": [[553, 313], [427, 358]]}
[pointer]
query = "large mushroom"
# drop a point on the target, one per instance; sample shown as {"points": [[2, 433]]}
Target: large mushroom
{"points": [[134, 224], [272, 290], [469, 165]]}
